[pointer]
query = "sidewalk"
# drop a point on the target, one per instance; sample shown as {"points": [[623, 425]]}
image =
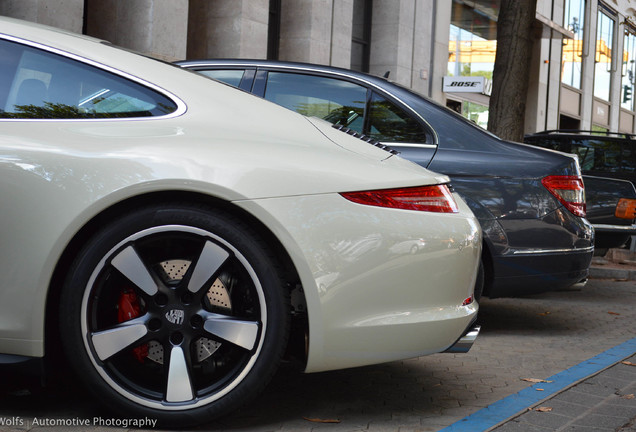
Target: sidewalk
{"points": [[617, 264], [602, 402], [596, 395]]}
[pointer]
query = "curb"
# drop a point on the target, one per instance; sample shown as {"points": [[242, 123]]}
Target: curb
{"points": [[612, 273]]}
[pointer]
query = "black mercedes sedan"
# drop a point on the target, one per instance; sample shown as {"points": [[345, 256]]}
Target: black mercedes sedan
{"points": [[530, 201]]}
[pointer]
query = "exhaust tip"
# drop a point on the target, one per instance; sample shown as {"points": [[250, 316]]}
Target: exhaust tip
{"points": [[465, 342]]}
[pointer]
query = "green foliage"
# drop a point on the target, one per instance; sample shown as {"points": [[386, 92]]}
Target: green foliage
{"points": [[63, 111]]}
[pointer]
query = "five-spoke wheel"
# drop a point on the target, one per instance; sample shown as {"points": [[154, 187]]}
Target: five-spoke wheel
{"points": [[175, 311]]}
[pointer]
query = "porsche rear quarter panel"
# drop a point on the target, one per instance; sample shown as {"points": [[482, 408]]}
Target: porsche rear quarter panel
{"points": [[380, 284]]}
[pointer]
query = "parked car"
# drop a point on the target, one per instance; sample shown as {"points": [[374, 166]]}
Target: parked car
{"points": [[168, 232], [608, 163], [529, 201]]}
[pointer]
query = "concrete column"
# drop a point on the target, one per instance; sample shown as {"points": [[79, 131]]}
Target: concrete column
{"points": [[392, 39], [64, 14], [306, 31], [425, 45], [228, 28], [441, 11], [341, 33], [153, 27]]}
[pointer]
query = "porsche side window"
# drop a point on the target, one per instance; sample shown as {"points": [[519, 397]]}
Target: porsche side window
{"points": [[37, 84], [337, 101], [389, 123], [228, 76]]}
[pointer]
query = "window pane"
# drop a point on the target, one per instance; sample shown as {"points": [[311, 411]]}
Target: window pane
{"points": [[231, 77], [573, 20], [603, 58], [628, 158], [598, 154], [473, 38], [476, 113], [339, 102], [45, 85], [388, 123], [629, 70]]}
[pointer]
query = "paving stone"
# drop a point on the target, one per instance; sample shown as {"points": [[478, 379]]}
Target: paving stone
{"points": [[600, 421], [613, 410], [579, 398], [515, 426], [584, 428], [545, 419], [566, 409]]}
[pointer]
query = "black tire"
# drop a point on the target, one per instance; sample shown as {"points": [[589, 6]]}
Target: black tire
{"points": [[175, 312]]}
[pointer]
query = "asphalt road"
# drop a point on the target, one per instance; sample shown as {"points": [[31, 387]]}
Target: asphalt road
{"points": [[522, 340]]}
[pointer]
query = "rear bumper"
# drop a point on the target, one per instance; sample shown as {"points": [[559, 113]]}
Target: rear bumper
{"points": [[612, 236], [466, 341], [618, 229], [538, 271]]}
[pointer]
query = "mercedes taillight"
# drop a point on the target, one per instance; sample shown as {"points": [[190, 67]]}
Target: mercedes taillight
{"points": [[569, 190]]}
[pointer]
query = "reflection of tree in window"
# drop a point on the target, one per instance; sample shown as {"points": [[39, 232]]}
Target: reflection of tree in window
{"points": [[315, 109], [573, 20], [604, 54], [389, 123], [629, 157], [607, 155], [45, 85], [585, 154], [62, 111], [348, 116]]}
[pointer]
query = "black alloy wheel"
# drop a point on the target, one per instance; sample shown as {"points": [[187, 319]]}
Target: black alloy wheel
{"points": [[175, 312]]}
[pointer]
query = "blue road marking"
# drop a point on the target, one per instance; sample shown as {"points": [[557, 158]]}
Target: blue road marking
{"points": [[519, 402]]}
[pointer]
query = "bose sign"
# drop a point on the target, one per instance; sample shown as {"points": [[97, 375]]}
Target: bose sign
{"points": [[466, 85]]}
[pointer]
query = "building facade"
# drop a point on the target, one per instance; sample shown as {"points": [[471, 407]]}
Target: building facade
{"points": [[583, 62]]}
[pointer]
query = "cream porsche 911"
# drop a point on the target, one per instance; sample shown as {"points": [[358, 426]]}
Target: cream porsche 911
{"points": [[177, 237]]}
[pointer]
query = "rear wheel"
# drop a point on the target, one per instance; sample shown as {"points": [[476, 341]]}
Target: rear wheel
{"points": [[175, 313]]}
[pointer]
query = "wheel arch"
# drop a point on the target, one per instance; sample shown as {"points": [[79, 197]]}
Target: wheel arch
{"points": [[52, 335], [487, 260]]}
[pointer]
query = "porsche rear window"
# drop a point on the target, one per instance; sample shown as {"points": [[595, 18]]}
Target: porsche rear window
{"points": [[36, 84]]}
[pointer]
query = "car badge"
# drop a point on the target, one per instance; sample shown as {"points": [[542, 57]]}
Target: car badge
{"points": [[175, 316]]}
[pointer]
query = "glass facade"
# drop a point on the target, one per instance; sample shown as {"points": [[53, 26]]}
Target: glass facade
{"points": [[473, 39], [628, 71], [472, 47], [603, 58], [475, 112], [574, 21]]}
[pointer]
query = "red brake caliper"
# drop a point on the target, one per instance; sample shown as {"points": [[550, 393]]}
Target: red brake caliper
{"points": [[130, 308]]}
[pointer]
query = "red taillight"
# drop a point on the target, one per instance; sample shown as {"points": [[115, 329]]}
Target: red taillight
{"points": [[569, 190], [435, 198]]}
